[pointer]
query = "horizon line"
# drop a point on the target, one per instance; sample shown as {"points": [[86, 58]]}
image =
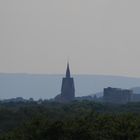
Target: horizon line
{"points": [[76, 74]]}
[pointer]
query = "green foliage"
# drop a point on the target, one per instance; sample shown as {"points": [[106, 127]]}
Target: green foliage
{"points": [[84, 120]]}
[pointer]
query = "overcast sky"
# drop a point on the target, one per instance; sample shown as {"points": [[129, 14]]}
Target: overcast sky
{"points": [[98, 36]]}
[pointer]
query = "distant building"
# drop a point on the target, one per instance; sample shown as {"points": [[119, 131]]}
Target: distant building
{"points": [[117, 95], [67, 89], [136, 98]]}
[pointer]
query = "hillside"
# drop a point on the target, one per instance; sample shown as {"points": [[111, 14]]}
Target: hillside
{"points": [[48, 86]]}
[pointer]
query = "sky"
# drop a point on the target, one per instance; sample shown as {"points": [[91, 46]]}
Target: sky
{"points": [[96, 36]]}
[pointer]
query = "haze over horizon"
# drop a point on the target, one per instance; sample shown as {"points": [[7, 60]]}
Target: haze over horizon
{"points": [[48, 86], [99, 37]]}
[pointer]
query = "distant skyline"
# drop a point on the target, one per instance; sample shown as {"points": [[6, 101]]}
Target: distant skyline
{"points": [[98, 37]]}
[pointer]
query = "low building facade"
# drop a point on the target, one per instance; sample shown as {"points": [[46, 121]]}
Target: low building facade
{"points": [[117, 95]]}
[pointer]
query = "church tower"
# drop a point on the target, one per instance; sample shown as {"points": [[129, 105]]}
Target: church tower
{"points": [[68, 89]]}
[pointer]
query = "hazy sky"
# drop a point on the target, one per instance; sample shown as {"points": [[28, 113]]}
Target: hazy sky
{"points": [[98, 36]]}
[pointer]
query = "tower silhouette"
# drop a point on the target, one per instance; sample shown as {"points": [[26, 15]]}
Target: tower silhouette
{"points": [[67, 89]]}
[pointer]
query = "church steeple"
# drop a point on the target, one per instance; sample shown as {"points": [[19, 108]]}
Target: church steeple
{"points": [[67, 88], [68, 71]]}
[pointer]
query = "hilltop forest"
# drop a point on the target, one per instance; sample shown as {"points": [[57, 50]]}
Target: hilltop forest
{"points": [[78, 120]]}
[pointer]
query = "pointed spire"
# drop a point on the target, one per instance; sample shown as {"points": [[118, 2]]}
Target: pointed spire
{"points": [[68, 71]]}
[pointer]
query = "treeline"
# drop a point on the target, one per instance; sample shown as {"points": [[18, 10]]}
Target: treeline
{"points": [[79, 120]]}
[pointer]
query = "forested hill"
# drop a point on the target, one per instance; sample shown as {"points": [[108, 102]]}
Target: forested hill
{"points": [[84, 120], [48, 86]]}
